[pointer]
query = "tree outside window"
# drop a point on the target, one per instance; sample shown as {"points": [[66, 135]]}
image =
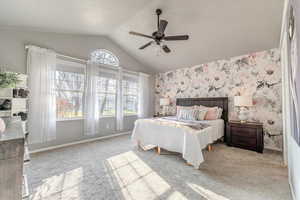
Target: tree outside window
{"points": [[69, 93]]}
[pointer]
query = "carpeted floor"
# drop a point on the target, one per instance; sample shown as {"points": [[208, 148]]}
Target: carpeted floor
{"points": [[114, 169]]}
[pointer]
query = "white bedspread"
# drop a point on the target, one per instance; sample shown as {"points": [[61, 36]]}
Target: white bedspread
{"points": [[176, 138], [217, 126]]}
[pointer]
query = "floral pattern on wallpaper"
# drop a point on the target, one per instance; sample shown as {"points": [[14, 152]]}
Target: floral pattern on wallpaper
{"points": [[257, 74]]}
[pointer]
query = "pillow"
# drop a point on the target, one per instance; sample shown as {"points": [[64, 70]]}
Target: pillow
{"points": [[201, 112], [178, 108], [183, 107], [212, 113], [187, 114]]}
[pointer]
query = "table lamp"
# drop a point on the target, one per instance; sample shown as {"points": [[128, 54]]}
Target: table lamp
{"points": [[243, 102]]}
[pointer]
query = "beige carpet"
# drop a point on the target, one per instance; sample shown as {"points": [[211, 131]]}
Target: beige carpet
{"points": [[114, 169]]}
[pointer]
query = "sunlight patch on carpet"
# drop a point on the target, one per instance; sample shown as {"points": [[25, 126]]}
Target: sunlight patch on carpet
{"points": [[136, 179], [208, 194]]}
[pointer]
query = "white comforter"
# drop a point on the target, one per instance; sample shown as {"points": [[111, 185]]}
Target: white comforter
{"points": [[175, 138]]}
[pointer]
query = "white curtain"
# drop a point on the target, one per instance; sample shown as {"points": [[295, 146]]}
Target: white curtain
{"points": [[91, 108], [41, 65], [144, 96], [294, 74], [120, 113], [287, 110]]}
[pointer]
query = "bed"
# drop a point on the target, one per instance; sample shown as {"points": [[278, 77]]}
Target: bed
{"points": [[185, 137]]}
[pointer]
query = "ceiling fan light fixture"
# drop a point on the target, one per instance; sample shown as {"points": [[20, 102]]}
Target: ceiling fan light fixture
{"points": [[158, 50]]}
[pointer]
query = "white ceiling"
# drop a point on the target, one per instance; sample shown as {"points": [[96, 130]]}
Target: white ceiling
{"points": [[68, 16], [217, 28]]}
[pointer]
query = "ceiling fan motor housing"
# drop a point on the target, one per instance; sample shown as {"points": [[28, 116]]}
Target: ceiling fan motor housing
{"points": [[157, 35]]}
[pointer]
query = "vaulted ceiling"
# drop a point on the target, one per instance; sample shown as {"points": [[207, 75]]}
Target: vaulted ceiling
{"points": [[217, 29]]}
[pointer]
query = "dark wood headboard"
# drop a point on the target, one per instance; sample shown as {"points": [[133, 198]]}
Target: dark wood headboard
{"points": [[221, 102]]}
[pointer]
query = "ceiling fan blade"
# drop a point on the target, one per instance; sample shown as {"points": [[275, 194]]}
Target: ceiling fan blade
{"points": [[162, 26], [166, 49], [140, 34], [177, 37], [146, 45]]}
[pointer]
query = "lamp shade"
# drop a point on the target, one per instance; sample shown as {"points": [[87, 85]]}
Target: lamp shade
{"points": [[164, 101], [243, 101]]}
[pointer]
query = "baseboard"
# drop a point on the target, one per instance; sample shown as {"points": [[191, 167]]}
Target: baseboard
{"points": [[78, 142]]}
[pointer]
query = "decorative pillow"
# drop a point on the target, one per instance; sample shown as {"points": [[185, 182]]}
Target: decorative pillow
{"points": [[187, 114], [178, 108], [201, 112], [184, 107], [212, 113]]}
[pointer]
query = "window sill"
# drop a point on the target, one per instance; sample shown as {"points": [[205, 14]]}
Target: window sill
{"points": [[70, 119], [116, 116], [131, 115], [107, 117], [81, 118]]}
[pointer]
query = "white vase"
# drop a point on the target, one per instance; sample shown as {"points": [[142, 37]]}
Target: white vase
{"points": [[2, 126]]}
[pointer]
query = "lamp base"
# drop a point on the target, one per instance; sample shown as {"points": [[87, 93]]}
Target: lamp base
{"points": [[243, 114]]}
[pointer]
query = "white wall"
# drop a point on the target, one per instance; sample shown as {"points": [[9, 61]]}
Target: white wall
{"points": [[13, 58], [12, 53]]}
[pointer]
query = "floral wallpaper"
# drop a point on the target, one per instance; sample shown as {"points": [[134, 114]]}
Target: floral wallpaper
{"points": [[257, 74]]}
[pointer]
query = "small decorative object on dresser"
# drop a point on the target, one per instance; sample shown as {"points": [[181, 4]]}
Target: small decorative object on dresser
{"points": [[243, 102], [247, 135]]}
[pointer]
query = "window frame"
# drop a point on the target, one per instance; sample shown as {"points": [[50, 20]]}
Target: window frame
{"points": [[107, 52], [99, 92], [126, 94], [70, 64]]}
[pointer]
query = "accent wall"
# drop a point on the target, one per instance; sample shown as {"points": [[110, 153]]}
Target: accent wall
{"points": [[257, 74]]}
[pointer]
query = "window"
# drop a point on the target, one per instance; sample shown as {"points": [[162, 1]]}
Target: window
{"points": [[103, 56], [130, 95], [69, 85], [109, 83], [106, 82], [107, 94]]}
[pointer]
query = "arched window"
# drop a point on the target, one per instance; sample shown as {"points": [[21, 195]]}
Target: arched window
{"points": [[104, 57]]}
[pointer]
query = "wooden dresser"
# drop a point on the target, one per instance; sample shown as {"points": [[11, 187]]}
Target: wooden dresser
{"points": [[12, 149], [246, 135]]}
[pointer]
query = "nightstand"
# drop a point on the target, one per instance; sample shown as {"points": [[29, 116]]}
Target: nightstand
{"points": [[248, 135]]}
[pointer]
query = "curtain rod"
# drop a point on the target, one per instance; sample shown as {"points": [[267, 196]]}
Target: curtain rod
{"points": [[62, 55], [85, 61], [70, 57]]}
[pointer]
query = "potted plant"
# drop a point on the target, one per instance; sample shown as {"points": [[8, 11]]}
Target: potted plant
{"points": [[8, 79]]}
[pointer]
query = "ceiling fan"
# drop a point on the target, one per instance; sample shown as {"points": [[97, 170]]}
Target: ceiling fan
{"points": [[159, 36]]}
